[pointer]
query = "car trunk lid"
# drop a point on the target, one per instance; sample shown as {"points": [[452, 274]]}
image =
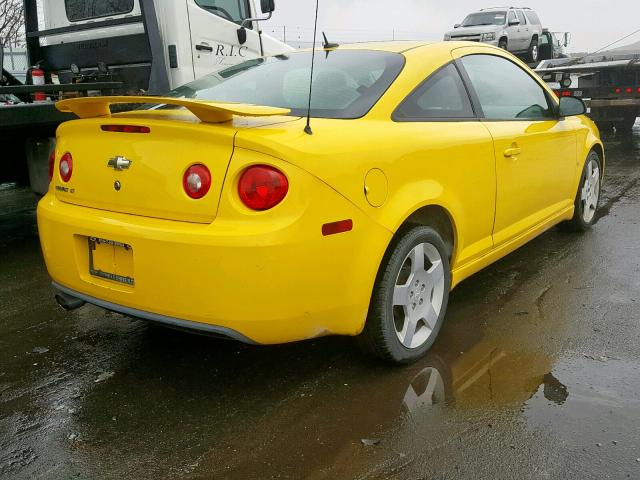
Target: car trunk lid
{"points": [[141, 172]]}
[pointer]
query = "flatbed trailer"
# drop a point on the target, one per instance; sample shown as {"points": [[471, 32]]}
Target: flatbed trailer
{"points": [[610, 88]]}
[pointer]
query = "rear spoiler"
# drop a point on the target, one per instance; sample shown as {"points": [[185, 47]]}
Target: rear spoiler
{"points": [[207, 112]]}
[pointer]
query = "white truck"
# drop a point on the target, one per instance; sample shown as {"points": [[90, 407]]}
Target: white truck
{"points": [[128, 47]]}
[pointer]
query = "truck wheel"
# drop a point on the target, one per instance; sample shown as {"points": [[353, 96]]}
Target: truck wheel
{"points": [[503, 44], [604, 127], [588, 196], [534, 51], [625, 126], [409, 299]]}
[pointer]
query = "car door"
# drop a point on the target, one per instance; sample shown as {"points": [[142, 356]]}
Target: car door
{"points": [[214, 34], [536, 153], [445, 144], [524, 31], [513, 31]]}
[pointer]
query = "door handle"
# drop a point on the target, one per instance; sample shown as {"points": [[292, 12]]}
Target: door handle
{"points": [[203, 47], [512, 152]]}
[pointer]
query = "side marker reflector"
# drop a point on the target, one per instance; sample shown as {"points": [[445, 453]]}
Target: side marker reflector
{"points": [[337, 227]]}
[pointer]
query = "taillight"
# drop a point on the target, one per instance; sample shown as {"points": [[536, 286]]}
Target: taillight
{"points": [[618, 90], [196, 181], [125, 128], [262, 187], [66, 167], [629, 90], [52, 162]]}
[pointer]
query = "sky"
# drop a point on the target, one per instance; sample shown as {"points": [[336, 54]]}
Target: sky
{"points": [[593, 23]]}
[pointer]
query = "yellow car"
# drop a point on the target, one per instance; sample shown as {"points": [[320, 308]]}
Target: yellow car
{"points": [[215, 209]]}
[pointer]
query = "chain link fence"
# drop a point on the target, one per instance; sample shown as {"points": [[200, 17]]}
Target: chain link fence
{"points": [[15, 59]]}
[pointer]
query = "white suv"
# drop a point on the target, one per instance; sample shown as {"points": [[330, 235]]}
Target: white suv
{"points": [[515, 29]]}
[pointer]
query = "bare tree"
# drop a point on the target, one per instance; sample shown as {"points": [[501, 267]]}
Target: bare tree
{"points": [[11, 22]]}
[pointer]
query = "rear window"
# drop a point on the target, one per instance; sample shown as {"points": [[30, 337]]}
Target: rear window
{"points": [[346, 83], [87, 9]]}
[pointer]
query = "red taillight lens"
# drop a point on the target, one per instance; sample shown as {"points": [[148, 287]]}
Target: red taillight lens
{"points": [[196, 181], [66, 167], [629, 90], [125, 128], [52, 162], [618, 90], [262, 187]]}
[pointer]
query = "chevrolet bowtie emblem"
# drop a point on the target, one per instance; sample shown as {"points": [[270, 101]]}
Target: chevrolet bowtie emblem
{"points": [[119, 163]]}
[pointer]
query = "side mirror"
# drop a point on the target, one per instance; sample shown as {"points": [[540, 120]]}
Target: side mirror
{"points": [[513, 23], [567, 39], [457, 25], [242, 35], [571, 106], [268, 6]]}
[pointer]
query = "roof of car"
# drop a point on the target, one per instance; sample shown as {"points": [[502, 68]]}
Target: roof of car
{"points": [[397, 46], [401, 46], [491, 9]]}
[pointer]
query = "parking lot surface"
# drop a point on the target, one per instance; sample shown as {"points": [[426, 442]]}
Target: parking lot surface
{"points": [[536, 374]]}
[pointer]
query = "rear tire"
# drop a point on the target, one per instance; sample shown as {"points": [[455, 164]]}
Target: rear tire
{"points": [[534, 51], [588, 196], [503, 44], [410, 297]]}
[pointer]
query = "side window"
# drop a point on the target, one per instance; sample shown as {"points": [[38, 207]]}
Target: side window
{"points": [[506, 91], [85, 9], [522, 18], [441, 96], [512, 16], [233, 10], [533, 17]]}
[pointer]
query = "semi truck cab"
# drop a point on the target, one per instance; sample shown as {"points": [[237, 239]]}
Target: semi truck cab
{"points": [[151, 45]]}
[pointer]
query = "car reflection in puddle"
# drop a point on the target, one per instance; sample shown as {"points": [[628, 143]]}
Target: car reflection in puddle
{"points": [[495, 378]]}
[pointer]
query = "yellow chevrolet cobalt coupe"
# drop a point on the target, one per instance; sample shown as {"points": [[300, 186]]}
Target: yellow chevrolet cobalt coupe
{"points": [[212, 209]]}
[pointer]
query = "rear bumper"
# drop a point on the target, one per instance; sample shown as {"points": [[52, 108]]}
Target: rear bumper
{"points": [[153, 317], [260, 280]]}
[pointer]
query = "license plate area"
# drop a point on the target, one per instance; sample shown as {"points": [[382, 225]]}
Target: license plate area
{"points": [[111, 260]]}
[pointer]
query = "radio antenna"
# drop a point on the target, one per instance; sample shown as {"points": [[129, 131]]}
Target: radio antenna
{"points": [[307, 129]]}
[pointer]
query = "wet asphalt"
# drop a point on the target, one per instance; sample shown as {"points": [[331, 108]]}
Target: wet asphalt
{"points": [[535, 375]]}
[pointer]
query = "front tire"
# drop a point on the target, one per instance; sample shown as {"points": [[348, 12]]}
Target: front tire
{"points": [[534, 51], [410, 297], [503, 44], [588, 196]]}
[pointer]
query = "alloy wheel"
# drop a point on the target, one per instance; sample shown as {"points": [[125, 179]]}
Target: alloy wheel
{"points": [[590, 193], [418, 295]]}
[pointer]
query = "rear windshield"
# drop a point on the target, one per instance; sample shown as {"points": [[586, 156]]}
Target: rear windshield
{"points": [[485, 18], [86, 9], [346, 84]]}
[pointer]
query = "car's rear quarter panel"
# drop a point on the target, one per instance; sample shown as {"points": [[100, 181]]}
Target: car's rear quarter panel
{"points": [[271, 276]]}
